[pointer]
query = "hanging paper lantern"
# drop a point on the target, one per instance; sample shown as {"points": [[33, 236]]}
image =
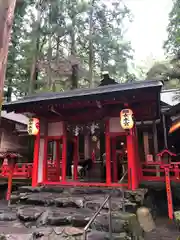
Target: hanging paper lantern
{"points": [[33, 126], [126, 119]]}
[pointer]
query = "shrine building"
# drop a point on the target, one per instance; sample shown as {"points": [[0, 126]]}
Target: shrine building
{"points": [[81, 124]]}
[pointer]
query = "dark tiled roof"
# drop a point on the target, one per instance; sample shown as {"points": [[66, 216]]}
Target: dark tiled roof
{"points": [[80, 93]]}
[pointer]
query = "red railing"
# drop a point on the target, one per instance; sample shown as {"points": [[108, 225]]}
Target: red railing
{"points": [[155, 171], [19, 171]]}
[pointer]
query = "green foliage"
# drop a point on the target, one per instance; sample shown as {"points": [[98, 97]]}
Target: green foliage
{"points": [[47, 32], [167, 71], [170, 70], [172, 44]]}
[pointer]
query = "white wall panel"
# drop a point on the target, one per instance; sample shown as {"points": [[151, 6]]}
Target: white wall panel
{"points": [[40, 162], [55, 129], [42, 127], [115, 126]]}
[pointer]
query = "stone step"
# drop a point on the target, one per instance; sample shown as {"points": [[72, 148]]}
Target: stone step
{"points": [[65, 200], [134, 195], [31, 216], [66, 233]]}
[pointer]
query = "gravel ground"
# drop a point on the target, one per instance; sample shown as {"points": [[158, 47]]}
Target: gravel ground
{"points": [[165, 230]]}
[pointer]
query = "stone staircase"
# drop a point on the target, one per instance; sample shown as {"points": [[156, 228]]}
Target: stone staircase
{"points": [[50, 213], [62, 213]]}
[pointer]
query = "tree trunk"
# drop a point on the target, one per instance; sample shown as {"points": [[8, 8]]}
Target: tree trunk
{"points": [[34, 70], [73, 42], [74, 76], [6, 20], [50, 83], [9, 91], [91, 55], [33, 85], [57, 48]]}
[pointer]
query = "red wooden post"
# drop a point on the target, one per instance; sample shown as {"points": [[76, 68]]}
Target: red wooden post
{"points": [[45, 160], [138, 163], [76, 149], [10, 177], [169, 193], [58, 159], [64, 152], [132, 173], [114, 159], [129, 154], [108, 154], [36, 160]]}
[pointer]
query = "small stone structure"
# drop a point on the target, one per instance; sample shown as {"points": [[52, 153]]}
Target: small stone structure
{"points": [[177, 218]]}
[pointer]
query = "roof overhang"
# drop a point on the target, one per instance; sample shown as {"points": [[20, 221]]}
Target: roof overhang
{"points": [[134, 93]]}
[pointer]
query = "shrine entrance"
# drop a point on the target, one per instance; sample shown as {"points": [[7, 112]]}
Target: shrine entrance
{"points": [[119, 159], [54, 159]]}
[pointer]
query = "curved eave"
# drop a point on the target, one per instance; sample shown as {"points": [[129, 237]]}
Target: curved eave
{"points": [[84, 94]]}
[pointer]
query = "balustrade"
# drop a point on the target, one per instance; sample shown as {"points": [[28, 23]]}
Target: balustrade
{"points": [[155, 171], [23, 170]]}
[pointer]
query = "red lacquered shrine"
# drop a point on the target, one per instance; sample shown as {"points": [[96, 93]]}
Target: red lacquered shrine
{"points": [[89, 119]]}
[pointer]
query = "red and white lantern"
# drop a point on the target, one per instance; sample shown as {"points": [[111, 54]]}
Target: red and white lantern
{"points": [[126, 119], [33, 126]]}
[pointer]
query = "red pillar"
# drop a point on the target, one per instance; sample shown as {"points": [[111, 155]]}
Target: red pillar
{"points": [[10, 179], [45, 164], [36, 160], [132, 172], [169, 194], [58, 158], [108, 154], [76, 149], [138, 163], [64, 152], [114, 159]]}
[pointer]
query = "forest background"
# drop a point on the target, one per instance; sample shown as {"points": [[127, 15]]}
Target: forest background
{"points": [[54, 40]]}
